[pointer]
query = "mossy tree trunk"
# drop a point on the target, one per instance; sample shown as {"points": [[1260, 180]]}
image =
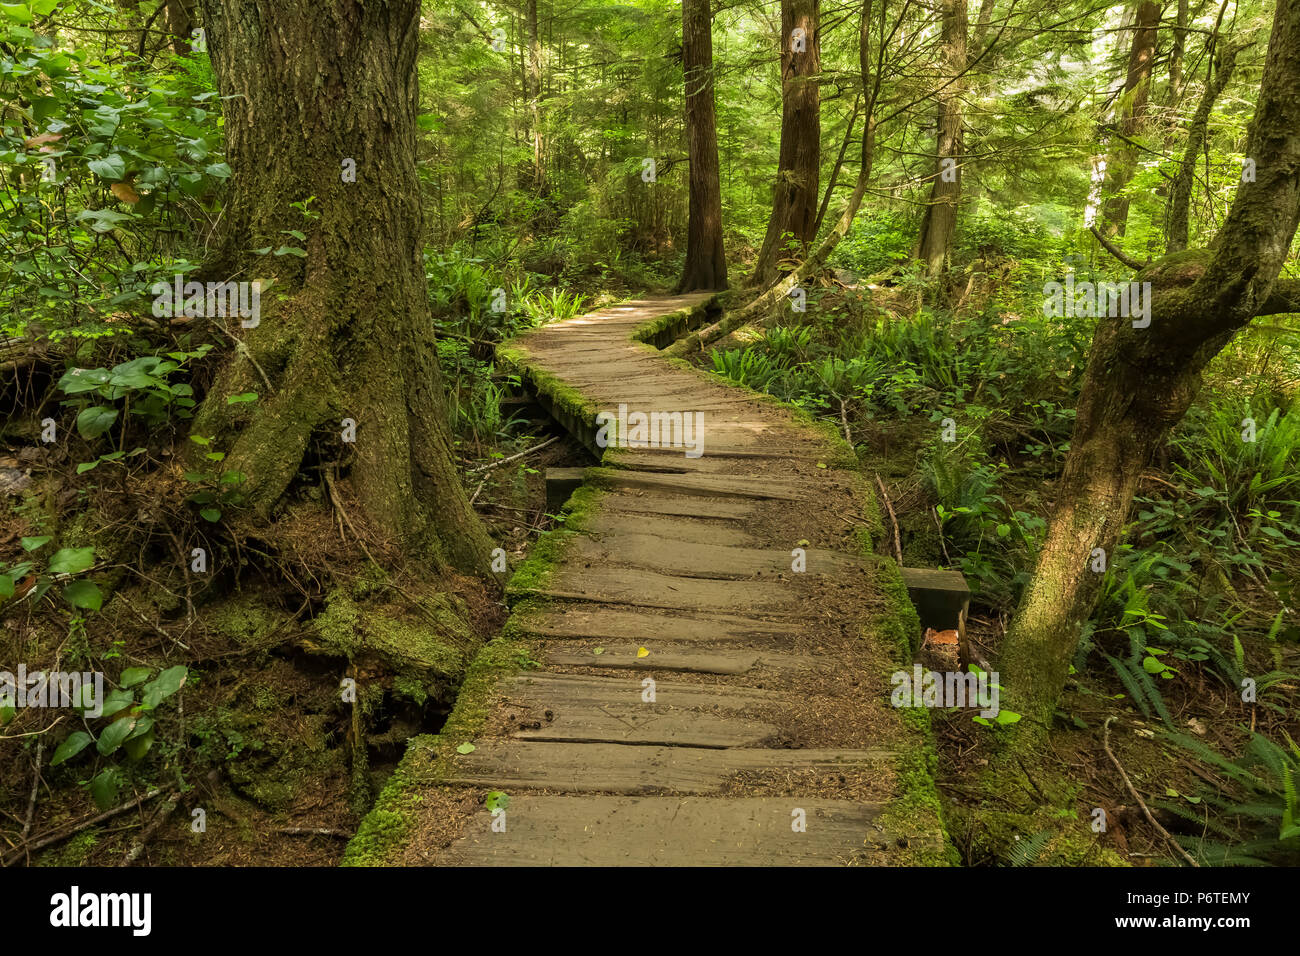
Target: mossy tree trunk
{"points": [[310, 89], [1140, 381], [940, 220], [706, 264], [1218, 73], [794, 200]]}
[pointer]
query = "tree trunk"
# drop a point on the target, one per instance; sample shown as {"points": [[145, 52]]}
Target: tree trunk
{"points": [[535, 100], [1181, 193], [178, 17], [940, 220], [794, 200], [1140, 381], [1177, 53], [764, 304], [835, 170], [1132, 110], [706, 264], [345, 331]]}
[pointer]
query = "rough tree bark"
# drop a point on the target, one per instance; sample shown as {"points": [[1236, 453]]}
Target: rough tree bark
{"points": [[794, 200], [345, 332], [940, 219], [1140, 381], [535, 100], [706, 264], [1122, 162]]}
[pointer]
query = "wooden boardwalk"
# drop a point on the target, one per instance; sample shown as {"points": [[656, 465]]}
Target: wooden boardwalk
{"points": [[714, 645]]}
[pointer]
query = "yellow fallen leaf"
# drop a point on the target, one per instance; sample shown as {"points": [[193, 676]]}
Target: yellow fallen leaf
{"points": [[642, 652], [124, 192]]}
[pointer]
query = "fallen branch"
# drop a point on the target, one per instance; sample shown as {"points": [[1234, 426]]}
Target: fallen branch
{"points": [[36, 784], [1117, 252], [57, 836], [505, 461], [161, 817], [1105, 742], [898, 545], [315, 831]]}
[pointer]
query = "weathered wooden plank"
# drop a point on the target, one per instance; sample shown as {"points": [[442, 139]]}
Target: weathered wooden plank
{"points": [[711, 486], [616, 768], [668, 831], [712, 561], [599, 622], [638, 588], [673, 657]]}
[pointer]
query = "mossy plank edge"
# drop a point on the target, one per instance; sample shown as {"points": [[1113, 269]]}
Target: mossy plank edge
{"points": [[917, 807], [687, 317], [429, 757]]}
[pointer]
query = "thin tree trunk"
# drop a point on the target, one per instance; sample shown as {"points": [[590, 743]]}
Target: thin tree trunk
{"points": [[1177, 53], [1122, 161], [706, 264], [535, 100], [345, 332], [1220, 69], [940, 219], [794, 200], [776, 294], [839, 165], [1140, 382]]}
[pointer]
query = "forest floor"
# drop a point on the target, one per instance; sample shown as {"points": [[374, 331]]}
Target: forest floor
{"points": [[699, 658]]}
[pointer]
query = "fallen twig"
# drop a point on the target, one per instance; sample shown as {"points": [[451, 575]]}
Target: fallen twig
{"points": [[315, 831], [161, 817], [898, 543], [1105, 742], [505, 461], [59, 835], [36, 784]]}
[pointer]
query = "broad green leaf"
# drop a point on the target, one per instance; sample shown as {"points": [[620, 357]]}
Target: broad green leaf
{"points": [[75, 744], [84, 594], [112, 736], [17, 12], [116, 701], [95, 420], [134, 675], [137, 747], [31, 544], [72, 560], [110, 167], [104, 787], [164, 685]]}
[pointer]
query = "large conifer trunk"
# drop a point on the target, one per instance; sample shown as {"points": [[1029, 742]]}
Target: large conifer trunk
{"points": [[706, 265], [794, 201], [940, 219], [309, 87]]}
